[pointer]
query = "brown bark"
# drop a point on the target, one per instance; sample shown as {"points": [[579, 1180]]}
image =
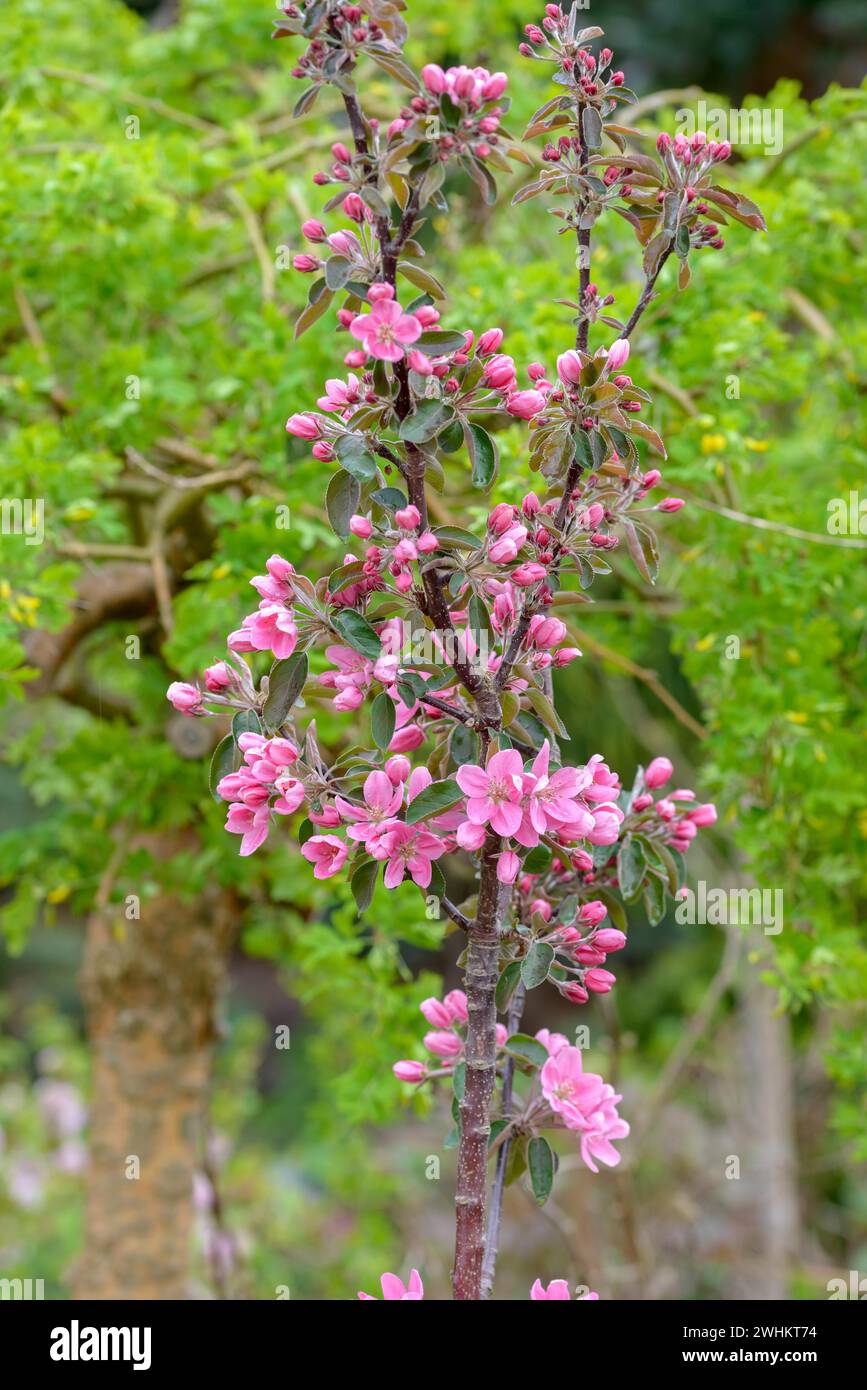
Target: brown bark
{"points": [[480, 982], [150, 986]]}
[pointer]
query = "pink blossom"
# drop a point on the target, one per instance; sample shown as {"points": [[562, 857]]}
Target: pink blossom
{"points": [[436, 1013], [508, 865], [569, 367], [494, 792], [603, 1125], [410, 1071], [326, 853], [251, 825], [272, 628], [490, 341], [406, 848], [187, 699], [658, 773], [557, 1291], [599, 981], [381, 799], [395, 1291], [703, 815], [606, 825], [445, 1044], [670, 504], [568, 1090], [304, 425], [591, 914], [505, 548], [552, 1042], [361, 527], [609, 939], [618, 354], [525, 404], [456, 1005], [408, 517], [218, 677], [386, 330]]}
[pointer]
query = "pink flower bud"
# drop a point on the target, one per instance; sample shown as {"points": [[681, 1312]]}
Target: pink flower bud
{"points": [[427, 543], [575, 993], [323, 451], [313, 230], [658, 773], [456, 1004], [420, 362], [609, 939], [397, 769], [361, 527], [434, 78], [663, 142], [217, 677], [599, 981], [304, 426], [410, 1071], [379, 291], [592, 914], [703, 815], [436, 1013], [670, 504], [525, 404], [444, 1044], [642, 802], [566, 655], [651, 478], [408, 517], [569, 367], [508, 865], [495, 86], [618, 354], [542, 907], [306, 264], [489, 342], [187, 699]]}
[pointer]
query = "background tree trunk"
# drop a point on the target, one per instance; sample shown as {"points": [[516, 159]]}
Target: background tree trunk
{"points": [[769, 1158], [150, 988]]}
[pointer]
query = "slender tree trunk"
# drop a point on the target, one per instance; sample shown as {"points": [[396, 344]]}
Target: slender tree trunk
{"points": [[480, 978], [150, 987], [769, 1160]]}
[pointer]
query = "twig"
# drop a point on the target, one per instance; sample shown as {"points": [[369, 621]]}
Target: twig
{"points": [[254, 232], [171, 113], [763, 524], [648, 678]]}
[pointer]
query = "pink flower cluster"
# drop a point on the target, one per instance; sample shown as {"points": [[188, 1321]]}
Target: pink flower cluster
{"points": [[474, 91], [677, 817], [448, 1018], [582, 1101], [551, 41], [570, 804], [261, 785], [394, 1290]]}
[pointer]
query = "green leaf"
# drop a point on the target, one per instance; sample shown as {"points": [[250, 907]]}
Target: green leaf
{"points": [[527, 1049], [363, 882], [390, 498], [337, 271], [507, 984], [246, 721], [355, 457], [382, 720], [440, 342], [540, 1161], [356, 630], [341, 501], [222, 763], [631, 867], [483, 455], [455, 535], [427, 421], [422, 279], [516, 1164], [654, 899], [438, 797], [535, 966], [537, 860], [459, 1080], [591, 126], [285, 684]]}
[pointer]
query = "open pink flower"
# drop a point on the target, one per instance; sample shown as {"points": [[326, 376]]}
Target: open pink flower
{"points": [[386, 331], [272, 628], [557, 1291], [570, 1091], [251, 824], [408, 849], [381, 800], [494, 792], [395, 1291], [326, 853], [604, 1124]]}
